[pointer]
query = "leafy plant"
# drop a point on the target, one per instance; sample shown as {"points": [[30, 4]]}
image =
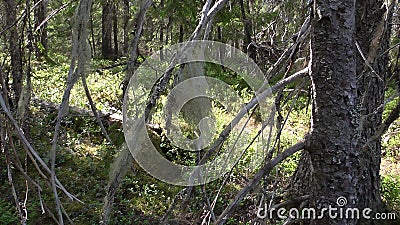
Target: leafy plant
{"points": [[390, 191], [7, 213]]}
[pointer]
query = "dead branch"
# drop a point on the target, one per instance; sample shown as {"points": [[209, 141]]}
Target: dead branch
{"points": [[30, 149], [118, 171], [108, 115], [94, 110], [290, 202], [79, 56], [265, 170], [124, 158], [393, 116], [164, 219], [253, 102], [130, 67], [207, 16]]}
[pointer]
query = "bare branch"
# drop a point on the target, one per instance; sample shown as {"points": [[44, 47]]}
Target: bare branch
{"points": [[79, 56], [164, 219], [253, 102], [290, 202], [30, 149], [161, 85], [394, 115], [265, 170], [141, 15], [94, 110]]}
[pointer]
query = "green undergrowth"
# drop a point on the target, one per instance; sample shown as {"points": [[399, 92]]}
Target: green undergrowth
{"points": [[48, 84], [84, 158], [390, 191]]}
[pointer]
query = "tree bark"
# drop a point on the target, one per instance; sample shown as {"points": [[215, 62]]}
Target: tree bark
{"points": [[373, 35], [106, 26], [115, 29], [339, 161], [248, 30], [40, 16], [333, 140], [14, 50], [126, 16]]}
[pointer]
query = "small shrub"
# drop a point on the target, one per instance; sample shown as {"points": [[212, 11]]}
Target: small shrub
{"points": [[390, 191]]}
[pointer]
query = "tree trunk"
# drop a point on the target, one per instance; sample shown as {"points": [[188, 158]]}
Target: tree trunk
{"points": [[126, 16], [134, 47], [168, 30], [247, 28], [181, 33], [372, 34], [339, 161], [115, 29], [92, 35], [40, 16], [162, 33], [106, 26], [14, 50], [333, 140]]}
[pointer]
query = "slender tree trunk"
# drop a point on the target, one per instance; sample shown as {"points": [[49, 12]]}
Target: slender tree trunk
{"points": [[162, 42], [247, 28], [106, 26], [115, 29], [40, 16], [168, 30], [92, 35], [134, 47], [162, 33], [118, 170], [126, 16], [181, 33], [14, 50]]}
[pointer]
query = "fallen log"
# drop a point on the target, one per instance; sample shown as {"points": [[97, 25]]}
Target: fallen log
{"points": [[107, 115]]}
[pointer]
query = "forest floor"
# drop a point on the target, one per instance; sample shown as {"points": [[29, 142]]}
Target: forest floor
{"points": [[84, 160]]}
